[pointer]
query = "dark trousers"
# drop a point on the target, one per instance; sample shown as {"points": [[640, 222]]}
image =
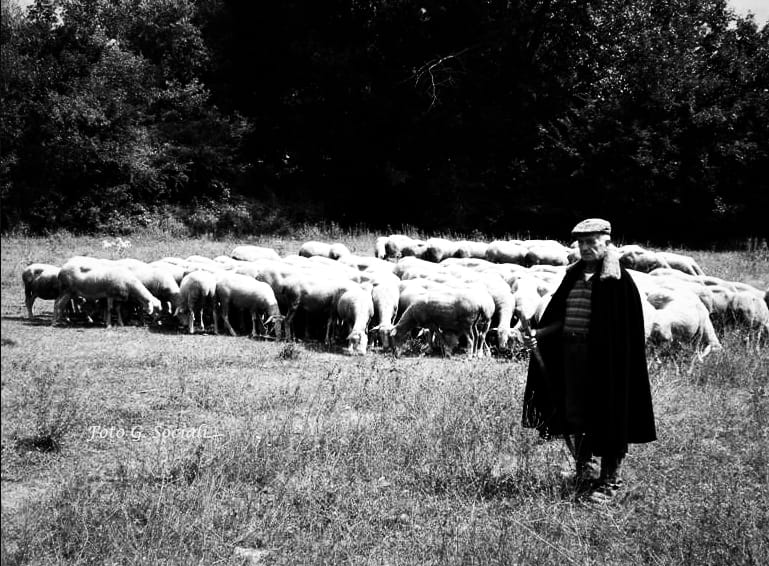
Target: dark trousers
{"points": [[581, 448], [577, 390]]}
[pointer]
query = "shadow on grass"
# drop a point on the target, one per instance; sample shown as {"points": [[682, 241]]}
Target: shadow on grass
{"points": [[37, 320]]}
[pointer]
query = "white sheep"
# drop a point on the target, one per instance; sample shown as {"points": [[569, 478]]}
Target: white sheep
{"points": [[41, 281], [197, 291], [395, 244], [680, 262], [448, 309], [93, 278], [158, 281], [748, 309], [315, 295], [385, 295], [633, 256], [255, 297], [315, 248], [253, 253], [680, 316], [380, 247], [471, 249], [338, 251], [354, 310], [507, 251], [438, 249], [411, 267], [549, 254]]}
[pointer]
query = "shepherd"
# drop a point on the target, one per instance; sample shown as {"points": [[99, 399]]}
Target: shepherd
{"points": [[588, 382]]}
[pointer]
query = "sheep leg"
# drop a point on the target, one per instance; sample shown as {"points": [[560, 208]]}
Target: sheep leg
{"points": [[29, 299], [192, 320], [290, 335], [226, 319], [254, 319], [259, 325], [58, 305], [108, 312], [329, 322]]}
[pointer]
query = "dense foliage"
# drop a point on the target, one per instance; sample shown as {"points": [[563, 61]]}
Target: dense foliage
{"points": [[504, 117]]}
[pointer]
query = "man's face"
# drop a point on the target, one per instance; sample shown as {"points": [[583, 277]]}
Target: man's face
{"points": [[593, 247]]}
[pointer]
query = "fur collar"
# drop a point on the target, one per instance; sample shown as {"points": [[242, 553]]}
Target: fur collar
{"points": [[609, 267]]}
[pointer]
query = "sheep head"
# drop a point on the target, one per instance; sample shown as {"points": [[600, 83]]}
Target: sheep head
{"points": [[357, 342], [182, 315], [274, 324], [153, 306]]}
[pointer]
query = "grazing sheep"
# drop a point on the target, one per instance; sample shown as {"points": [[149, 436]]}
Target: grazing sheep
{"points": [[411, 267], [256, 297], [438, 249], [680, 262], [749, 310], [471, 249], [354, 309], [504, 251], [635, 257], [414, 249], [722, 299], [197, 291], [314, 248], [385, 295], [314, 295], [277, 274], [449, 309], [395, 244], [548, 255], [338, 251], [92, 278], [680, 316], [158, 281], [253, 253], [41, 281], [380, 247], [527, 292]]}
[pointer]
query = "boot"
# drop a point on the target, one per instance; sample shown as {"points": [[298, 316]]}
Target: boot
{"points": [[609, 483], [586, 463]]}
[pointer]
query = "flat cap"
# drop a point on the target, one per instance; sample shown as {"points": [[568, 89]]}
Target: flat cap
{"points": [[591, 226]]}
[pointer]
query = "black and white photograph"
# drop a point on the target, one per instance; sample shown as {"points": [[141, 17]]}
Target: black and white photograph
{"points": [[384, 282]]}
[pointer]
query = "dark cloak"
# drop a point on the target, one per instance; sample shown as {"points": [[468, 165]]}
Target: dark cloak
{"points": [[620, 397]]}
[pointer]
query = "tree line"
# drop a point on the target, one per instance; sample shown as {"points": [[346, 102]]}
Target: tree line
{"points": [[517, 116]]}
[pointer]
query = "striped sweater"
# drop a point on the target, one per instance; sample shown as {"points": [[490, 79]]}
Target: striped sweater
{"points": [[577, 319]]}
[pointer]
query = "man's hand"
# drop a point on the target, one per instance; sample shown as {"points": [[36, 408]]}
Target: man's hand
{"points": [[530, 340]]}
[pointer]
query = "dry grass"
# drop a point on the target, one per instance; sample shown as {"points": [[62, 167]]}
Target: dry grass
{"points": [[309, 456]]}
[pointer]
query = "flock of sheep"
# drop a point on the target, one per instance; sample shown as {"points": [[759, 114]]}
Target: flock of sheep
{"points": [[450, 295]]}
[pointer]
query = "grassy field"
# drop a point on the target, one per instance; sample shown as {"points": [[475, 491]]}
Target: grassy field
{"points": [[132, 445]]}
